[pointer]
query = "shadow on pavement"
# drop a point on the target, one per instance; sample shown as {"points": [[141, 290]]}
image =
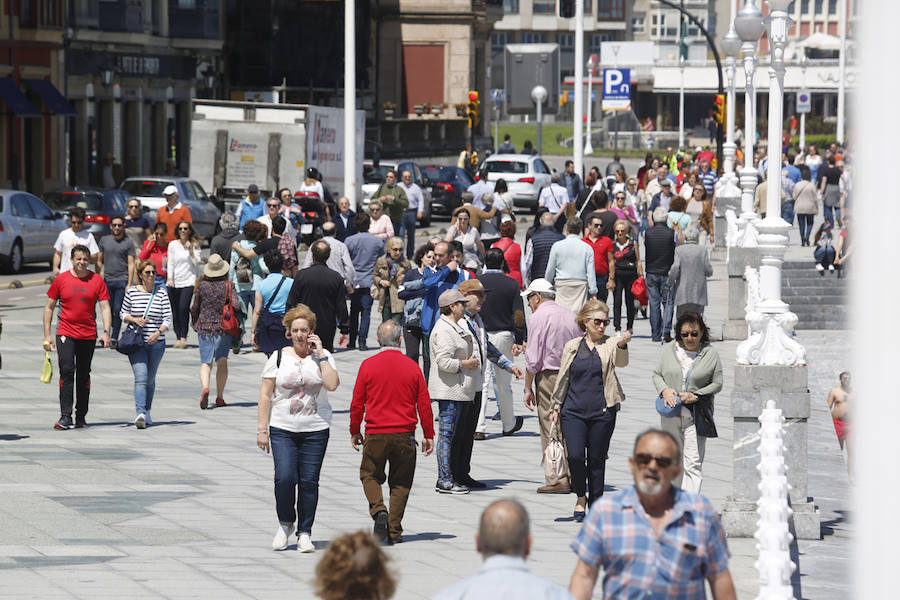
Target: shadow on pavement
{"points": [[12, 437], [427, 536]]}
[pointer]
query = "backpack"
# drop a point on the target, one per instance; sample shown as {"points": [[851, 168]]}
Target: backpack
{"points": [[243, 271]]}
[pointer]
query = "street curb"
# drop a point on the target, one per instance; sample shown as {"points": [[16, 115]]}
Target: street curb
{"points": [[16, 284]]}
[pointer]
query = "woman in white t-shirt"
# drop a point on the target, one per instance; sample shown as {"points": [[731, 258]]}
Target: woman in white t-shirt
{"points": [[293, 421], [181, 273]]}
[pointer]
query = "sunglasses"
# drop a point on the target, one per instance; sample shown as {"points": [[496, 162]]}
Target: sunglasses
{"points": [[375, 209], [148, 272], [396, 249], [690, 334], [116, 225], [621, 231], [663, 462], [134, 206], [184, 229], [273, 205], [600, 322]]}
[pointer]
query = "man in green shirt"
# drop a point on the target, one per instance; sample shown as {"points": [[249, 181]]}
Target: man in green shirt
{"points": [[393, 197]]}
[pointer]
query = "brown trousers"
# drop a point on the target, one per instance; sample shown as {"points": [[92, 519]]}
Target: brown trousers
{"points": [[399, 449], [544, 383]]}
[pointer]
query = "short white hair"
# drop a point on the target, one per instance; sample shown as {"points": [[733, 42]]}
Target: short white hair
{"points": [[660, 214]]}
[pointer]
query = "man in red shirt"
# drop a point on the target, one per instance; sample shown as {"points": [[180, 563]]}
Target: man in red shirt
{"points": [[389, 389], [603, 257], [173, 213], [77, 291]]}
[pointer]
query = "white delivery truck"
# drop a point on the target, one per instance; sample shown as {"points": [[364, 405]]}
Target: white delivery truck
{"points": [[235, 144]]}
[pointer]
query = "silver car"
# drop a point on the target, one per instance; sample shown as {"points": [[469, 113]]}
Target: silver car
{"points": [[28, 230], [204, 213], [525, 174]]}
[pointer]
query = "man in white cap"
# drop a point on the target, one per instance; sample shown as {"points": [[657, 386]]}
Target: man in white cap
{"points": [[173, 213], [549, 328]]}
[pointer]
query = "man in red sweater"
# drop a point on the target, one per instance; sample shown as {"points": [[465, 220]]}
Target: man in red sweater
{"points": [[389, 390]]}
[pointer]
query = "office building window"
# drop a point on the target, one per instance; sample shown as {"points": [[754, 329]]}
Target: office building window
{"points": [[819, 6], [531, 37], [544, 7], [832, 7], [588, 7], [638, 24], [596, 40], [499, 40], [804, 7], [693, 30], [664, 26], [511, 7], [610, 10], [566, 42]]}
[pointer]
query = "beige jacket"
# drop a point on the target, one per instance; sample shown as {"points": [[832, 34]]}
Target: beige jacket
{"points": [[611, 356], [450, 344], [380, 274]]}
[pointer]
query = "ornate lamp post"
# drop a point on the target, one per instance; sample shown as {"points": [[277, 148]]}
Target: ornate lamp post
{"points": [[731, 45], [749, 26], [773, 323]]}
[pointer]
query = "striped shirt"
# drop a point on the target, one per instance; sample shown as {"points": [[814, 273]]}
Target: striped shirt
{"points": [[617, 536], [709, 181], [135, 303]]}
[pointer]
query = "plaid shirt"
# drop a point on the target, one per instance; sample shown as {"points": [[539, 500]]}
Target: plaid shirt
{"points": [[617, 535]]}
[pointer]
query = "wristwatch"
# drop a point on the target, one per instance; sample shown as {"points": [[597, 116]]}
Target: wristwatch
{"points": [[107, 331]]}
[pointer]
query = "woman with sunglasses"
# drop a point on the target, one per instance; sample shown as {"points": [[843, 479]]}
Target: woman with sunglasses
{"points": [[699, 209], [470, 238], [154, 322], [586, 399], [390, 270], [625, 212], [156, 248], [628, 267], [184, 266], [689, 374], [380, 225], [116, 262], [137, 226]]}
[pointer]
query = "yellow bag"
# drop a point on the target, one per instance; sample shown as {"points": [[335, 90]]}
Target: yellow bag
{"points": [[47, 371]]}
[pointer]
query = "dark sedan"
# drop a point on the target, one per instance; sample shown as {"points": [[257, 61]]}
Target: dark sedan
{"points": [[447, 186], [98, 205]]}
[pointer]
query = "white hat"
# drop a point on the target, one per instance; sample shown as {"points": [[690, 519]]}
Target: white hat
{"points": [[170, 190], [539, 286], [505, 218]]}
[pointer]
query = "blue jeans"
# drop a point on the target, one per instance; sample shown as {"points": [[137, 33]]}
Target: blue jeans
{"points": [[298, 460], [360, 315], [832, 213], [602, 292], [661, 305], [824, 255], [787, 211], [116, 288], [448, 419], [805, 223], [587, 444], [144, 364], [408, 230], [159, 281]]}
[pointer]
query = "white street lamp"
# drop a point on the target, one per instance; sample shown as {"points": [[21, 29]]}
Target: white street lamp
{"points": [[749, 26], [772, 343], [803, 64], [731, 45], [588, 148], [681, 105]]}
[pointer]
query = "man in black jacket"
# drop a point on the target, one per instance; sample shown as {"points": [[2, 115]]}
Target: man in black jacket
{"points": [[537, 249], [343, 220], [324, 292], [659, 249], [503, 314]]}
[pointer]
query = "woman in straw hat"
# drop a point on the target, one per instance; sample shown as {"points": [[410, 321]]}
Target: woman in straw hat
{"points": [[213, 291]]}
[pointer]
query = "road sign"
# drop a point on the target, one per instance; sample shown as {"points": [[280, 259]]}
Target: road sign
{"points": [[616, 89], [804, 101]]}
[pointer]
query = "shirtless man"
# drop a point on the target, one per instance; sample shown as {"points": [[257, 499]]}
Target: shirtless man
{"points": [[839, 399]]}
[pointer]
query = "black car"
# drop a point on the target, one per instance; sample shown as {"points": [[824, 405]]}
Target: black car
{"points": [[99, 206], [447, 186]]}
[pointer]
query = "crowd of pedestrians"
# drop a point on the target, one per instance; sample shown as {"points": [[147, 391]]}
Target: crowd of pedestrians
{"points": [[455, 312]]}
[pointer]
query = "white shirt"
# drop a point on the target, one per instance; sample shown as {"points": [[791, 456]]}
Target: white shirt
{"points": [[554, 198], [300, 402], [414, 195], [183, 266], [288, 228], [67, 240]]}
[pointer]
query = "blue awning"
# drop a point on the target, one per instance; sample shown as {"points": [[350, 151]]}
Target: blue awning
{"points": [[55, 101], [16, 100]]}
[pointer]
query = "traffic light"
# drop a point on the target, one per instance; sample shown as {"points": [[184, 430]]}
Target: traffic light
{"points": [[473, 110], [567, 9], [719, 110]]}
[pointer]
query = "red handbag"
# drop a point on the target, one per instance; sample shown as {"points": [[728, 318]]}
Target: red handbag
{"points": [[639, 289], [230, 324]]}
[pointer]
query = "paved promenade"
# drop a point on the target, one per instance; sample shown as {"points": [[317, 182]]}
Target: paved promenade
{"points": [[185, 508]]}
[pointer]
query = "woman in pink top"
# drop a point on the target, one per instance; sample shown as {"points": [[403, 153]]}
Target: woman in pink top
{"points": [[625, 212], [381, 226]]}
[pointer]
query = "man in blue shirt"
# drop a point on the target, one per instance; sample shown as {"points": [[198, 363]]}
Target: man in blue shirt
{"points": [[364, 250], [480, 188], [251, 207], [652, 539], [504, 540]]}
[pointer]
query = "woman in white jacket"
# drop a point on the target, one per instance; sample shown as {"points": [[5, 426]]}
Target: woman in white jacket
{"points": [[454, 365], [183, 267]]}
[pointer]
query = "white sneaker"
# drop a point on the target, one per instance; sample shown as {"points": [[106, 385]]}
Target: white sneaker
{"points": [[819, 267], [304, 543], [140, 421], [280, 541], [831, 267]]}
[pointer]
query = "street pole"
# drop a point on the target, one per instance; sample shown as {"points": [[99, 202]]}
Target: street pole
{"points": [[803, 63], [588, 148], [350, 101], [577, 143], [842, 69], [615, 120], [681, 105], [539, 96], [731, 44]]}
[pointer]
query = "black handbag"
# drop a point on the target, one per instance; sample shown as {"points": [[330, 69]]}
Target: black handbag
{"points": [[132, 338], [270, 331], [703, 417]]}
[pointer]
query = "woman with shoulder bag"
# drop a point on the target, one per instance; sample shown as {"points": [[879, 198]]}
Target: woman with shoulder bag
{"points": [[213, 291], [588, 418], [389, 272], [628, 268], [147, 307], [688, 377], [268, 332], [412, 292], [183, 267]]}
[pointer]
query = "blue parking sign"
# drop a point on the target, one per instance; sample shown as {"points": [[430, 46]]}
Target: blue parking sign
{"points": [[616, 89]]}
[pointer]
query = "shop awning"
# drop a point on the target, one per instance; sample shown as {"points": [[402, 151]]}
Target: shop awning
{"points": [[55, 101], [16, 100]]}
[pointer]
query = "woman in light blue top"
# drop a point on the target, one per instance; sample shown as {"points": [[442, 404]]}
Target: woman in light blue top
{"points": [[268, 332], [246, 275]]}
